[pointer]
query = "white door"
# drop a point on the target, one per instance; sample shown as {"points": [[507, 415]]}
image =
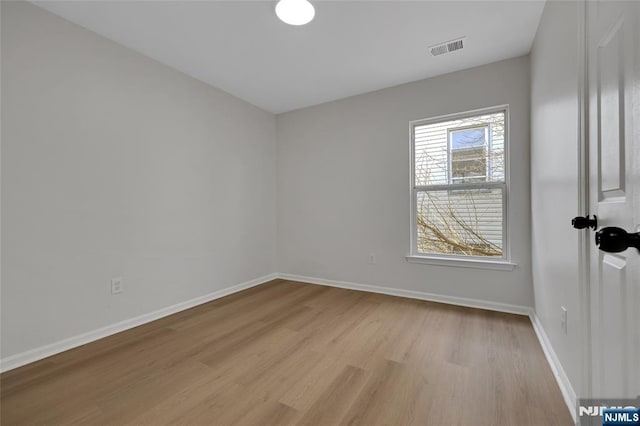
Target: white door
{"points": [[613, 70]]}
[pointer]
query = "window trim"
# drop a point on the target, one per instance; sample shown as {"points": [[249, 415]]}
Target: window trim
{"points": [[502, 263]]}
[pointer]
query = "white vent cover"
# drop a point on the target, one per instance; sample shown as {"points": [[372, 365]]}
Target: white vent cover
{"points": [[447, 47]]}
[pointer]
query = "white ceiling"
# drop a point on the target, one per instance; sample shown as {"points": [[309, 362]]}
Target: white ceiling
{"points": [[351, 47]]}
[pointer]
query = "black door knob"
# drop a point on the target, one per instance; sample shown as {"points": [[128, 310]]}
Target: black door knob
{"points": [[581, 222], [615, 240]]}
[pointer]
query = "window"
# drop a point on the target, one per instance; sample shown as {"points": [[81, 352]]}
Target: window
{"points": [[459, 186]]}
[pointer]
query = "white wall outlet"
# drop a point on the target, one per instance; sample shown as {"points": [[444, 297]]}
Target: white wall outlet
{"points": [[116, 285], [563, 319], [372, 258]]}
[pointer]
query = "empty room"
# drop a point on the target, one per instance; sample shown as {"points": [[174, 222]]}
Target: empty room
{"points": [[320, 212]]}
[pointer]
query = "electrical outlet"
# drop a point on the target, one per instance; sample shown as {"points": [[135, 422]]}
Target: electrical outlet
{"points": [[563, 319], [116, 285], [372, 258]]}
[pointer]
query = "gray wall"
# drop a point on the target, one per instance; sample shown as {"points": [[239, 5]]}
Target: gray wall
{"points": [[115, 165], [554, 180], [343, 185]]}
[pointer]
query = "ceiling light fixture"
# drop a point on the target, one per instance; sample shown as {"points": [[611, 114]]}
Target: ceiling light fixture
{"points": [[295, 12]]}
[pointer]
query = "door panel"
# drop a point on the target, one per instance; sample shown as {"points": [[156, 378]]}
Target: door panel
{"points": [[610, 86], [612, 322]]}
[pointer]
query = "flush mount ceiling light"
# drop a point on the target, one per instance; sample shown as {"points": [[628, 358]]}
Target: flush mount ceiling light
{"points": [[295, 12]]}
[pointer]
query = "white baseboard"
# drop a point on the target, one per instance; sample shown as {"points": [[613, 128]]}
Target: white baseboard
{"points": [[41, 352], [451, 300], [568, 393]]}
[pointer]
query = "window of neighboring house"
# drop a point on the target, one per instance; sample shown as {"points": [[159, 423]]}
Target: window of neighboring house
{"points": [[468, 154], [460, 185]]}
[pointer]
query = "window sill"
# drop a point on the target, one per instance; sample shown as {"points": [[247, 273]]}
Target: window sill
{"points": [[500, 265]]}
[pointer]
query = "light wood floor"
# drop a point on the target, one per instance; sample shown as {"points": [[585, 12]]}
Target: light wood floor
{"points": [[292, 353]]}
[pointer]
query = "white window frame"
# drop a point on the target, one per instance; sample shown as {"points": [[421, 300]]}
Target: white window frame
{"points": [[481, 262]]}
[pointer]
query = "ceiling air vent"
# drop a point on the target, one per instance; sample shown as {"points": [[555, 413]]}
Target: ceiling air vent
{"points": [[448, 47]]}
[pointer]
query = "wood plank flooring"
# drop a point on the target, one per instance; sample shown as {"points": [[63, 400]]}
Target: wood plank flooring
{"points": [[291, 353]]}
